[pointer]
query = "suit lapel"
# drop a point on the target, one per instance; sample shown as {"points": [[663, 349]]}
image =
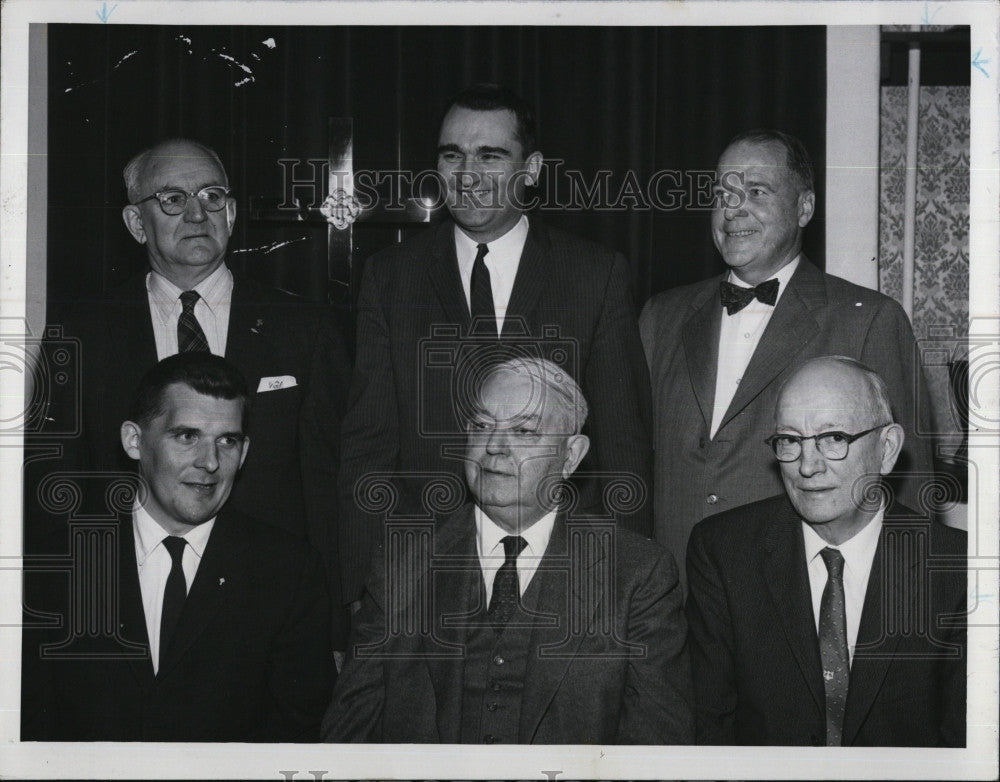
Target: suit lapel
{"points": [[792, 325], [788, 581], [874, 649], [531, 279], [132, 616], [221, 572], [456, 587], [585, 592], [700, 335], [443, 272], [247, 332]]}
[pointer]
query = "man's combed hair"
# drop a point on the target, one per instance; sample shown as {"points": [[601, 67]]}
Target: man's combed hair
{"points": [[200, 371], [796, 154], [133, 170], [564, 389], [487, 96]]}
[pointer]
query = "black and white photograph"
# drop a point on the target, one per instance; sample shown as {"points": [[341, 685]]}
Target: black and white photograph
{"points": [[389, 386]]}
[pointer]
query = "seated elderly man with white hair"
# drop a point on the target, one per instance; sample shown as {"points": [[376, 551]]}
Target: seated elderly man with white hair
{"points": [[829, 614], [511, 621]]}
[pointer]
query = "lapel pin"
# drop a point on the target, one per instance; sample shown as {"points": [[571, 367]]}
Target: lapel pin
{"points": [[260, 322], [222, 581]]}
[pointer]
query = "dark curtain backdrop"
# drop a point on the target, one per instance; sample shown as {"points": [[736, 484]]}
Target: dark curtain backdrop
{"points": [[619, 100]]}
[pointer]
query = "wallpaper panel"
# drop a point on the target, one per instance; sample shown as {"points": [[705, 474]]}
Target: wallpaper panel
{"points": [[941, 274]]}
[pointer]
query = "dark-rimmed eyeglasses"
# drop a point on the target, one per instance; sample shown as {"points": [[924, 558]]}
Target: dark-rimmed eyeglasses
{"points": [[831, 445], [173, 201]]}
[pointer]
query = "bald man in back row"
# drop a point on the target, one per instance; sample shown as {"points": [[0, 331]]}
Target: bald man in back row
{"points": [[181, 210]]}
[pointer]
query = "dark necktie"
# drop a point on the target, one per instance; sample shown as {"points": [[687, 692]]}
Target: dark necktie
{"points": [[735, 298], [189, 333], [833, 646], [506, 590], [481, 295], [174, 593]]}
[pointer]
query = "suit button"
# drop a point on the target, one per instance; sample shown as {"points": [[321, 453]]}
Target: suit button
{"points": [[489, 738], [492, 707], [498, 660], [495, 686], [711, 499]]}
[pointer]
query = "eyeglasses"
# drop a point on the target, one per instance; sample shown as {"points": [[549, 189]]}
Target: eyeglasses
{"points": [[832, 445], [174, 201]]}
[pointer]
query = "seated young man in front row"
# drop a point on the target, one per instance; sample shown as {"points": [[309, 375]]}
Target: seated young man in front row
{"points": [[191, 621]]}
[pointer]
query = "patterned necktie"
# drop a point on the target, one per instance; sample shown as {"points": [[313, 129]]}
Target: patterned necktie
{"points": [[506, 590], [833, 646], [481, 296], [735, 297], [174, 593], [189, 333]]}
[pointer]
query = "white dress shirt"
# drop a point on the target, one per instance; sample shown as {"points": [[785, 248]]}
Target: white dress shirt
{"points": [[858, 553], [154, 563], [489, 545], [502, 261], [738, 339], [211, 310]]}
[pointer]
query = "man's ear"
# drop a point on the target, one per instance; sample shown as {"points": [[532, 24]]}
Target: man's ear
{"points": [[577, 446], [131, 434], [133, 221], [892, 438], [807, 205], [533, 165], [230, 213], [246, 448]]}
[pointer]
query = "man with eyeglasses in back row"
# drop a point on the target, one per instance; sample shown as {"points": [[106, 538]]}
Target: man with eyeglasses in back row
{"points": [[829, 614], [181, 209]]}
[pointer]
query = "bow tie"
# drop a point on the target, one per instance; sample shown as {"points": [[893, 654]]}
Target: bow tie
{"points": [[735, 298]]}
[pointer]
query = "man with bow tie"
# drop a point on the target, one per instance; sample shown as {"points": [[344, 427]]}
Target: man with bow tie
{"points": [[719, 350]]}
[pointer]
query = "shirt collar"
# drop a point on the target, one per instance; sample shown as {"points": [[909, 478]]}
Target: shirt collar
{"points": [[149, 534], [513, 240], [858, 551], [214, 290], [783, 275], [489, 535]]}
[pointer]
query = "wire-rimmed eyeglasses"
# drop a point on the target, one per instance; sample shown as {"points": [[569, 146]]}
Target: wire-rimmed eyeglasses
{"points": [[832, 445], [173, 201]]}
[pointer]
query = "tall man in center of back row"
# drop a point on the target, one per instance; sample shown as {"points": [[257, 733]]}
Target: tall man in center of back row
{"points": [[719, 350], [488, 273]]}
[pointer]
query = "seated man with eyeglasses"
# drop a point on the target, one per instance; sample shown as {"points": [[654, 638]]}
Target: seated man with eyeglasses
{"points": [[829, 615], [181, 210]]}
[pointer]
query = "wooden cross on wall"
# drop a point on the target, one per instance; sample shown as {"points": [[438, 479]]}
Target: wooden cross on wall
{"points": [[340, 210]]}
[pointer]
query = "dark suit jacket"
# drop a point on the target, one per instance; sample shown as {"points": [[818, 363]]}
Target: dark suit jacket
{"points": [[754, 646], [627, 686], [250, 659], [291, 470], [572, 299], [818, 315]]}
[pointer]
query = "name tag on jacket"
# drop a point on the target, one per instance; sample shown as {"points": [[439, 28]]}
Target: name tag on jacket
{"points": [[276, 383]]}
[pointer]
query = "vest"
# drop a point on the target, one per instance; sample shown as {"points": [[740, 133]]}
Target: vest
{"points": [[493, 674]]}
